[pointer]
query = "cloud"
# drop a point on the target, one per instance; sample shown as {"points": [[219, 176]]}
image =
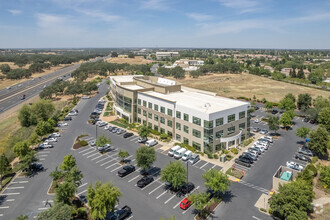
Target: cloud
{"points": [[99, 15], [154, 4], [14, 12], [242, 6], [200, 17]]}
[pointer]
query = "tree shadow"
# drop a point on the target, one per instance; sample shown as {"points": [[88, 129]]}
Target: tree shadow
{"points": [[300, 142], [2, 198], [227, 196]]}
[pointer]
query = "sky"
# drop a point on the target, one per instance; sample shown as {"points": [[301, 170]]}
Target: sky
{"points": [[291, 24]]}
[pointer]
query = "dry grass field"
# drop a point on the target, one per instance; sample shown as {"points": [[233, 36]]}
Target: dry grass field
{"points": [[136, 60], [235, 85]]}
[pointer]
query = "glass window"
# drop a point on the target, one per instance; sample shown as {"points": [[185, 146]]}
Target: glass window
{"points": [[243, 137], [178, 126], [169, 134], [231, 130], [156, 117], [155, 107], [139, 110], [196, 133], [196, 145], [186, 129], [145, 103], [155, 127], [241, 126], [218, 134], [139, 101], [178, 114], [196, 121], [139, 120], [144, 113], [162, 120], [149, 115], [185, 117], [219, 121], [169, 123], [178, 137], [185, 140], [208, 124], [242, 115], [231, 118], [169, 112], [150, 105], [162, 131], [162, 109]]}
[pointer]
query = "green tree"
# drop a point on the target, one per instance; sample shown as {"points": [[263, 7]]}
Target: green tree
{"points": [[5, 167], [131, 55], [301, 74], [144, 131], [304, 101], [174, 173], [102, 140], [65, 192], [22, 217], [315, 77], [290, 96], [114, 54], [74, 175], [28, 159], [286, 119], [287, 104], [319, 138], [302, 132], [102, 199], [42, 110], [216, 180], [145, 157], [5, 68], [21, 149], [43, 127], [58, 211], [123, 155], [324, 118], [56, 174], [325, 175], [273, 123], [177, 72], [24, 116], [268, 106], [68, 163], [293, 200], [200, 200]]}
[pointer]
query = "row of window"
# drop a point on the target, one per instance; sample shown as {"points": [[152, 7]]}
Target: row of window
{"points": [[230, 130], [185, 140]]}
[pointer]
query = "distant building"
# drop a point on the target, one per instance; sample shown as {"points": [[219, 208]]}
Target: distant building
{"points": [[164, 55], [271, 69], [286, 71], [187, 65], [122, 56]]}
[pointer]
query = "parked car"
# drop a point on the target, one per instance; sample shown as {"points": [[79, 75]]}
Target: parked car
{"points": [[194, 158], [126, 170], [142, 140], [185, 204], [253, 152], [257, 121], [274, 111], [73, 114], [178, 154], [263, 131], [127, 135], [34, 167], [187, 188], [56, 134], [114, 129], [305, 151], [245, 159], [45, 145], [255, 149], [151, 143], [101, 123], [121, 214], [256, 108], [250, 155], [92, 143], [104, 147], [302, 157], [256, 129], [186, 155], [144, 181], [120, 131], [62, 124], [243, 163], [306, 120], [294, 165], [85, 97], [107, 127], [259, 148], [23, 97], [312, 121], [270, 139], [68, 118]]}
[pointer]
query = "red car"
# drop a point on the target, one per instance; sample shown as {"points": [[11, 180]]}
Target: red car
{"points": [[185, 203]]}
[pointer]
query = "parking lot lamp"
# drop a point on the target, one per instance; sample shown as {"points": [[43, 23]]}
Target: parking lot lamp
{"points": [[187, 171]]}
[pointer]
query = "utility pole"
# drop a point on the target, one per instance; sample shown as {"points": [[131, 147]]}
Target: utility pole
{"points": [[187, 171]]}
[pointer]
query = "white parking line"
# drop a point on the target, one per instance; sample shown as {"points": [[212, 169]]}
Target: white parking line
{"points": [[10, 200], [44, 152], [213, 166], [9, 194], [4, 207], [82, 185], [20, 182], [89, 152], [130, 217], [82, 192], [16, 187], [176, 205], [184, 212], [155, 189], [113, 165], [117, 168], [160, 195], [43, 155], [107, 162], [169, 199], [1, 214], [102, 159], [134, 139], [85, 150], [92, 155], [96, 157], [43, 208], [150, 184], [42, 159], [196, 163], [204, 165], [48, 201]]}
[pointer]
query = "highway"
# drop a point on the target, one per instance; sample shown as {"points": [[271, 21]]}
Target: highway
{"points": [[11, 97]]}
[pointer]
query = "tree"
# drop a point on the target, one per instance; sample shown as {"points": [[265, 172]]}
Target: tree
{"points": [[65, 192], [200, 200], [24, 116], [290, 96], [293, 200], [273, 123], [144, 131], [102, 140], [315, 77], [177, 72], [301, 74], [131, 55], [102, 199], [302, 132], [5, 167], [56, 174], [287, 104], [74, 175], [268, 105], [68, 163], [324, 118], [28, 159], [114, 54], [174, 173], [21, 149], [319, 138], [286, 119], [58, 211], [5, 68], [22, 217], [325, 175], [145, 157], [123, 155], [41, 110], [216, 180], [43, 127], [304, 101]]}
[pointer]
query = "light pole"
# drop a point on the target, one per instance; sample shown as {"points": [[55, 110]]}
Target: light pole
{"points": [[187, 171], [96, 130]]}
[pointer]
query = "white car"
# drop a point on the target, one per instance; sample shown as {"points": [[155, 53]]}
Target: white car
{"points": [[270, 139], [85, 97], [45, 145], [104, 147], [107, 127], [261, 148], [52, 139], [62, 124], [294, 165], [101, 123], [56, 134], [92, 143], [263, 131], [257, 121]]}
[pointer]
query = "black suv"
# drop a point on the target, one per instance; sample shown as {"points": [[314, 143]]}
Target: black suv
{"points": [[121, 214], [126, 170], [274, 112], [128, 134], [144, 181], [245, 159], [68, 118], [34, 167], [187, 187]]}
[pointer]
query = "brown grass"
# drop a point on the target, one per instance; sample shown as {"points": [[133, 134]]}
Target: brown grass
{"points": [[235, 85], [322, 216], [136, 60]]}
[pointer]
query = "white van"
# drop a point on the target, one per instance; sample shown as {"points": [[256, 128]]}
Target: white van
{"points": [[187, 155], [151, 143], [179, 153], [173, 150]]}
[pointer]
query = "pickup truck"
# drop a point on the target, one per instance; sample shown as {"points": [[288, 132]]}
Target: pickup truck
{"points": [[121, 214]]}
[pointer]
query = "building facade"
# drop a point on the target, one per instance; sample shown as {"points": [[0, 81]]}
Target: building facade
{"points": [[164, 55], [201, 119]]}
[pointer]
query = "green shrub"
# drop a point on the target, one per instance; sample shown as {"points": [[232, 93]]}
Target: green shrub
{"points": [[234, 150], [314, 160], [163, 136], [225, 151], [152, 131], [210, 156], [228, 157], [263, 210], [244, 98], [83, 143], [270, 211], [215, 156], [82, 213], [106, 114], [312, 168], [247, 142]]}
